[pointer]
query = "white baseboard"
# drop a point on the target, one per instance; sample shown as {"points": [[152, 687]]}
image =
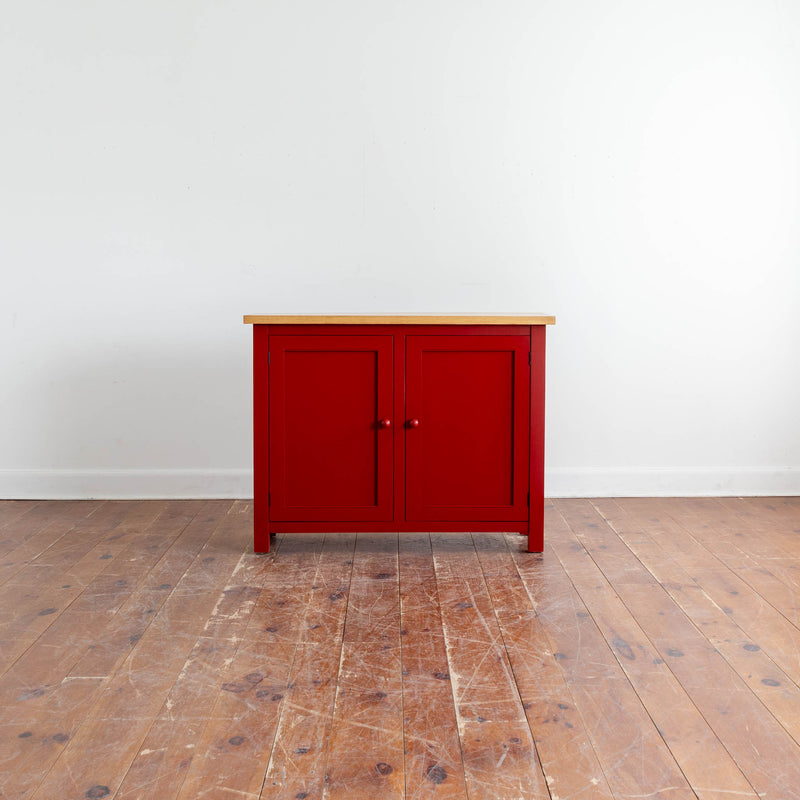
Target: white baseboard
{"points": [[688, 482], [125, 484], [65, 484]]}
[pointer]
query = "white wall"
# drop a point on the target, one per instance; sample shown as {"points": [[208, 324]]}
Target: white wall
{"points": [[632, 167]]}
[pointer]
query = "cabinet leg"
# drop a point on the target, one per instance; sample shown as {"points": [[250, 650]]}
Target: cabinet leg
{"points": [[536, 535], [261, 539]]}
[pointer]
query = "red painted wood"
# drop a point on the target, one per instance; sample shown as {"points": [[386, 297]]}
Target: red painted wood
{"points": [[260, 439], [403, 526], [328, 470], [467, 454], [399, 430], [536, 518], [330, 456]]}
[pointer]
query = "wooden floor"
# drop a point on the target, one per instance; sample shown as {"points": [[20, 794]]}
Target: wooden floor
{"points": [[652, 651]]}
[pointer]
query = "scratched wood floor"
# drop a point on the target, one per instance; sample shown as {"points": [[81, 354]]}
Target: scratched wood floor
{"points": [[652, 651]]}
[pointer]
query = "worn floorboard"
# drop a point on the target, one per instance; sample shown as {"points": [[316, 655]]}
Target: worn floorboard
{"points": [[650, 652]]}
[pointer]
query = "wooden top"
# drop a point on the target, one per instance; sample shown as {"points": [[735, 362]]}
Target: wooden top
{"points": [[399, 319]]}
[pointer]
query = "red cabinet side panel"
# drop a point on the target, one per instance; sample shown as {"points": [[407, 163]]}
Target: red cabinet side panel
{"points": [[260, 438], [536, 524]]}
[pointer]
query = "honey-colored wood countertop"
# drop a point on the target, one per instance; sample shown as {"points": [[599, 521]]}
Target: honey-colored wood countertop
{"points": [[399, 319]]}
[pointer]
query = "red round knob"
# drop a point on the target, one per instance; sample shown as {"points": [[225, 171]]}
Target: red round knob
{"points": [[413, 423], [386, 423]]}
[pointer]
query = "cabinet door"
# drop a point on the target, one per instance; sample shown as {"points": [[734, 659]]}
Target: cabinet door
{"points": [[467, 423], [330, 445]]}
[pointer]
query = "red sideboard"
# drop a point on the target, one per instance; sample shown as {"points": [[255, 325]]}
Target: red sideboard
{"points": [[399, 423]]}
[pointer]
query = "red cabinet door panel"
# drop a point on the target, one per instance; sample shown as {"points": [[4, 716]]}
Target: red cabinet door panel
{"points": [[466, 428], [330, 445]]}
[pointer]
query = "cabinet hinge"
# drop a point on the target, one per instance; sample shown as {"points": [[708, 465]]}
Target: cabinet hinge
{"points": [[269, 357], [529, 359], [529, 498], [269, 498]]}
